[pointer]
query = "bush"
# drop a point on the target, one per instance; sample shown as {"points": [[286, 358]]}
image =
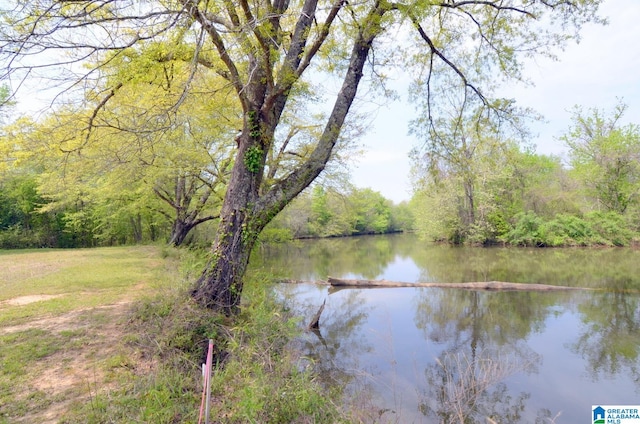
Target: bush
{"points": [[611, 228], [594, 229], [275, 235], [566, 230], [525, 231], [17, 238]]}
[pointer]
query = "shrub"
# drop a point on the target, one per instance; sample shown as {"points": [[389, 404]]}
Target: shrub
{"points": [[525, 231], [16, 237], [275, 235], [566, 230], [610, 228]]}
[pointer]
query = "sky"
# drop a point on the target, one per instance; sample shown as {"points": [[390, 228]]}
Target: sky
{"points": [[602, 68]]}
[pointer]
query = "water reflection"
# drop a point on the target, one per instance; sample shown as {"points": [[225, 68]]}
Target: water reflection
{"points": [[337, 347], [468, 388], [483, 337], [610, 340], [440, 355], [367, 257], [377, 257], [480, 318]]}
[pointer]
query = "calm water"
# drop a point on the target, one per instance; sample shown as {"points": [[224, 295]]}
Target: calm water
{"points": [[447, 355]]}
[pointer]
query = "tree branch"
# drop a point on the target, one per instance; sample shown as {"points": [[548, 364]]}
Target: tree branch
{"points": [[498, 5], [290, 186], [97, 109], [164, 195], [320, 39], [193, 10], [275, 161], [435, 51]]}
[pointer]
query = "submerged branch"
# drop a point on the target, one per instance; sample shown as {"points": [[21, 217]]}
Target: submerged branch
{"points": [[315, 321]]}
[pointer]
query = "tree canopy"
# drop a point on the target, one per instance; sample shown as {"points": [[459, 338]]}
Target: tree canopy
{"points": [[270, 53], [605, 155]]}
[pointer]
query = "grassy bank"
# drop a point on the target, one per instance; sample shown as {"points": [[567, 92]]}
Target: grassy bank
{"points": [[110, 336]]}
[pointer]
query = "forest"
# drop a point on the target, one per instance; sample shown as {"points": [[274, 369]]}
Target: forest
{"points": [[469, 187], [482, 189]]}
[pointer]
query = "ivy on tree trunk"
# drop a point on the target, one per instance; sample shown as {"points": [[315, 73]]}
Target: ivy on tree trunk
{"points": [[245, 212]]}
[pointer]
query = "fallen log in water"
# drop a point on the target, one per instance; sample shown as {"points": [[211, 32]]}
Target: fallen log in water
{"points": [[291, 281], [482, 285]]}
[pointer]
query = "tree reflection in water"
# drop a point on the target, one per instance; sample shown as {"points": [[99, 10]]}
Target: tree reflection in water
{"points": [[468, 387], [469, 356], [610, 342], [335, 348], [483, 337]]}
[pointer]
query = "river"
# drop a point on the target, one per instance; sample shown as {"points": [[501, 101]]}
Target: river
{"points": [[431, 355]]}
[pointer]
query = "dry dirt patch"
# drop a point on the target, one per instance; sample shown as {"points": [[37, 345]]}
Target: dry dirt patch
{"points": [[25, 300], [77, 371], [20, 267], [74, 320]]}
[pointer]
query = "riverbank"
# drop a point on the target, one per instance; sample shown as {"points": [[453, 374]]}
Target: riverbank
{"points": [[126, 344]]}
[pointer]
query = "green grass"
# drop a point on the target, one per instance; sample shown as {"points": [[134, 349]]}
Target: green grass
{"points": [[257, 377], [82, 278], [52, 350], [90, 361]]}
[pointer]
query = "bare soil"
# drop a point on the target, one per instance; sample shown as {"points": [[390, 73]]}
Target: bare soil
{"points": [[76, 372], [25, 300]]}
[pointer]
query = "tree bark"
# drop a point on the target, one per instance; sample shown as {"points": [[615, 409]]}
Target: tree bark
{"points": [[179, 232], [220, 284], [248, 207]]}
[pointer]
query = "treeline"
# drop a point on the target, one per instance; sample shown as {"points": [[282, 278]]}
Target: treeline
{"points": [[479, 188], [126, 170], [321, 212], [67, 182], [30, 220]]}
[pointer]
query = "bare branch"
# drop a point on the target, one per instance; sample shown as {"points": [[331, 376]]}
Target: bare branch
{"points": [[320, 39], [194, 11], [437, 52], [164, 195], [275, 161], [498, 5], [99, 107]]}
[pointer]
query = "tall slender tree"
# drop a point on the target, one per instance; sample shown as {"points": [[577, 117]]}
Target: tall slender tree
{"points": [[605, 156], [264, 49]]}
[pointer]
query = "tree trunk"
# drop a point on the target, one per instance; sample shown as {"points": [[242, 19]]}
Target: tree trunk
{"points": [[179, 232], [247, 206], [136, 227], [220, 285]]}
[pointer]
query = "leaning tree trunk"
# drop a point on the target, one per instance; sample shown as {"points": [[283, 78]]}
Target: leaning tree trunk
{"points": [[179, 232], [220, 284], [247, 209]]}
